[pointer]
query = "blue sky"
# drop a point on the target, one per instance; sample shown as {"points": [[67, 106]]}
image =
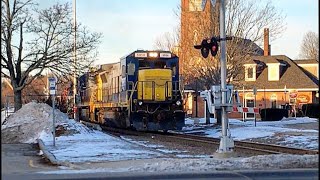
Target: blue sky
{"points": [[128, 25]]}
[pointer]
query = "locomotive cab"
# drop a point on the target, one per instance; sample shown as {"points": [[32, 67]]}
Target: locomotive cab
{"points": [[156, 97]]}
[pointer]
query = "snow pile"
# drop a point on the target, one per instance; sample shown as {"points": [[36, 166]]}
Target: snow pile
{"points": [[26, 125], [263, 162]]}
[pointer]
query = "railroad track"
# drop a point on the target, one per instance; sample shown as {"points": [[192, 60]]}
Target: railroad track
{"points": [[241, 147], [248, 146]]}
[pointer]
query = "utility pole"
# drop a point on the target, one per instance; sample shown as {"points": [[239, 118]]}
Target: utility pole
{"points": [[226, 142], [74, 61]]}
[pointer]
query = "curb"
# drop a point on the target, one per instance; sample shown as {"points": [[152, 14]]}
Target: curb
{"points": [[47, 153]]}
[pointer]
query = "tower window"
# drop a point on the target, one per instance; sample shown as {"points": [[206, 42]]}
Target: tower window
{"points": [[195, 5]]}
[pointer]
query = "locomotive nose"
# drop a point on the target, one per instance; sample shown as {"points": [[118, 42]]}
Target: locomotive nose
{"points": [[161, 116]]}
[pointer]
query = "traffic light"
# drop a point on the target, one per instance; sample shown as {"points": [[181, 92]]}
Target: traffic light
{"points": [[208, 45], [214, 46], [204, 48]]}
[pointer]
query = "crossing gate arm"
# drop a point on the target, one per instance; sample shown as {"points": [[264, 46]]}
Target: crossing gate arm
{"points": [[246, 109]]}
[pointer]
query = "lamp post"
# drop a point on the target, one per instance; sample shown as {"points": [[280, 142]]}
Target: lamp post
{"points": [[74, 61]]}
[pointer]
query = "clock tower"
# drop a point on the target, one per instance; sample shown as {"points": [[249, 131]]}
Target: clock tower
{"points": [[198, 21]]}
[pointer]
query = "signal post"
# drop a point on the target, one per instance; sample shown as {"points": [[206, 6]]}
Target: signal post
{"points": [[226, 142]]}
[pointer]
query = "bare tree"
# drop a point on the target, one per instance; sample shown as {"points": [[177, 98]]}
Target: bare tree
{"points": [[310, 46], [33, 40], [245, 21], [168, 41]]}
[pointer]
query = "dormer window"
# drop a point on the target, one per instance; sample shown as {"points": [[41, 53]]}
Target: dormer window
{"points": [[250, 72], [273, 71]]}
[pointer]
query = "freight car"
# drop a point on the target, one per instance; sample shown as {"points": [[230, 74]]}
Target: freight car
{"points": [[143, 91]]}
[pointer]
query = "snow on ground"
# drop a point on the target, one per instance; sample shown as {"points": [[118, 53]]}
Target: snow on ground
{"points": [[96, 147], [79, 144], [299, 138], [93, 146], [261, 162]]}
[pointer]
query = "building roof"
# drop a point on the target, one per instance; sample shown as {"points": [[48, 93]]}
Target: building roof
{"points": [[306, 61], [265, 59], [292, 76]]}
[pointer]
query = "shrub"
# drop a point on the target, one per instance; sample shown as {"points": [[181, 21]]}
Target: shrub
{"points": [[311, 110], [272, 114]]}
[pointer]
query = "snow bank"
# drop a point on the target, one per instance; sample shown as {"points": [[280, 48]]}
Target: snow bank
{"points": [[26, 125], [263, 162]]}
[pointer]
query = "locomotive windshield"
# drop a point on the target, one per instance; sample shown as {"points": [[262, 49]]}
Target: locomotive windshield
{"points": [[160, 65], [157, 64]]}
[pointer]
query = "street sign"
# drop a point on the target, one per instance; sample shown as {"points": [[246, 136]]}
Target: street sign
{"points": [[52, 85], [293, 94]]}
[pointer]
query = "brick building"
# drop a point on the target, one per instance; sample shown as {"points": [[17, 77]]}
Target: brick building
{"points": [[278, 80], [196, 23]]}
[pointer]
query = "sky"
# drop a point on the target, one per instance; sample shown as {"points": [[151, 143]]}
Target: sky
{"points": [[129, 25]]}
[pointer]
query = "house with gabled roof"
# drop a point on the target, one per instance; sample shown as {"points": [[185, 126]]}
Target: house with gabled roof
{"points": [[277, 80], [271, 81]]}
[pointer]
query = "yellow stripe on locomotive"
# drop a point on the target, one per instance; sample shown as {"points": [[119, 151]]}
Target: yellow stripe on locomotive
{"points": [[154, 84]]}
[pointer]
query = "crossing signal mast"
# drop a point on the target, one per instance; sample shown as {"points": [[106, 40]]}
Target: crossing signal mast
{"points": [[220, 92]]}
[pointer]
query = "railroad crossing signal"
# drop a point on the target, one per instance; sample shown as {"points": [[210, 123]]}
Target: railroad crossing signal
{"points": [[208, 45]]}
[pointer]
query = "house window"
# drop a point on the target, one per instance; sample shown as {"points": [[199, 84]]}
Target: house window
{"points": [[250, 73], [249, 102], [273, 103], [273, 99], [273, 72]]}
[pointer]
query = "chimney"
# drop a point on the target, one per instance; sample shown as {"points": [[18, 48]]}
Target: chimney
{"points": [[266, 47]]}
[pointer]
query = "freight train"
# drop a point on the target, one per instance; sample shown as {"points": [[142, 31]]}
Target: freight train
{"points": [[143, 91]]}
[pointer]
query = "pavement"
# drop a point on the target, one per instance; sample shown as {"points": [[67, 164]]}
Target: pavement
{"points": [[23, 158]]}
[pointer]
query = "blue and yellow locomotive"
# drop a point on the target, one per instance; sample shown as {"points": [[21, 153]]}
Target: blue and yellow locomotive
{"points": [[143, 91]]}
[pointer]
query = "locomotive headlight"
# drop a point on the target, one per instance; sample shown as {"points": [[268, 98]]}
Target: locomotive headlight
{"points": [[140, 103], [153, 54], [178, 103]]}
